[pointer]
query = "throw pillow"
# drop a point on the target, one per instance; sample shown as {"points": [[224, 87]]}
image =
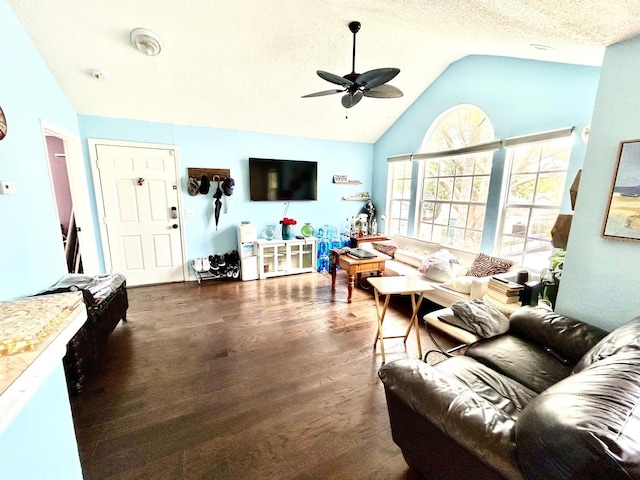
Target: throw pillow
{"points": [[485, 265], [459, 284], [439, 266], [484, 319], [385, 248]]}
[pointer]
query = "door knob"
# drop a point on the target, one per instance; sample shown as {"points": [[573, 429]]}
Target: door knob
{"points": [[174, 226]]}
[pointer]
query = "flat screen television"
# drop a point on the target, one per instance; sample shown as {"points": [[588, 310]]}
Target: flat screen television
{"points": [[272, 180]]}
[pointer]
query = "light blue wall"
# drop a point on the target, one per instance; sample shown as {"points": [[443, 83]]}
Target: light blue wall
{"points": [[601, 277], [219, 148], [41, 441], [31, 250], [519, 96]]}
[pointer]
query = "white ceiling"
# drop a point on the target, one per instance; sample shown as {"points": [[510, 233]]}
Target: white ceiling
{"points": [[244, 64]]}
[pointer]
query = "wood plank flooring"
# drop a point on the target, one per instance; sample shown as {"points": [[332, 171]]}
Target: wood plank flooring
{"points": [[272, 379]]}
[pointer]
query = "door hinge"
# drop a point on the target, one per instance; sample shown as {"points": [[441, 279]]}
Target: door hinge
{"points": [[104, 220]]}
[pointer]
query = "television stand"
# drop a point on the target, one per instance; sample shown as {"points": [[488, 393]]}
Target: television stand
{"points": [[286, 257]]}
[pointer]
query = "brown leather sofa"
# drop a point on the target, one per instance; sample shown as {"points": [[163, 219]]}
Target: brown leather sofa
{"points": [[553, 398]]}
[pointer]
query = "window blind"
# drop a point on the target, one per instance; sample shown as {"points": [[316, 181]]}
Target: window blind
{"points": [[400, 158], [491, 146], [538, 137]]}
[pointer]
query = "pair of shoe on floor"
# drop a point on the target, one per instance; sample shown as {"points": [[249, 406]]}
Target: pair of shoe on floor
{"points": [[208, 264], [201, 264]]}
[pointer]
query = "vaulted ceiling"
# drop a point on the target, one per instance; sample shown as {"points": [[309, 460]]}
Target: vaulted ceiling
{"points": [[244, 64]]}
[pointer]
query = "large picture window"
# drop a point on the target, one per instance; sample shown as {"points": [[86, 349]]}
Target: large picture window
{"points": [[447, 200], [455, 188], [533, 191], [398, 197]]}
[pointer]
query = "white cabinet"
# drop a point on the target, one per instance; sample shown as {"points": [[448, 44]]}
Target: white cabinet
{"points": [[286, 257]]}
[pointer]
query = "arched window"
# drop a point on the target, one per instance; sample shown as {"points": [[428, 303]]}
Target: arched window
{"points": [[453, 189]]}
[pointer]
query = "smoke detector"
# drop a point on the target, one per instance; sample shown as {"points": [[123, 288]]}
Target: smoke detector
{"points": [[99, 74]]}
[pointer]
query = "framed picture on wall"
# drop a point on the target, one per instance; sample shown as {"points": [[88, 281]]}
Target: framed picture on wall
{"points": [[622, 218]]}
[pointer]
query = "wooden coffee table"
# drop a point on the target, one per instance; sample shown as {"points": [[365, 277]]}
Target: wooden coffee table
{"points": [[355, 266]]}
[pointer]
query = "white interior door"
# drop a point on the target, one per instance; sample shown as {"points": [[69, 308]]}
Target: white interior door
{"points": [[140, 197]]}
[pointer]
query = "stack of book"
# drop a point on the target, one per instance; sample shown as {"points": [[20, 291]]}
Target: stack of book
{"points": [[503, 290]]}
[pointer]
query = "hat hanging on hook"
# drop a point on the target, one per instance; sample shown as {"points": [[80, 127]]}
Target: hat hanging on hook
{"points": [[204, 185], [227, 186]]}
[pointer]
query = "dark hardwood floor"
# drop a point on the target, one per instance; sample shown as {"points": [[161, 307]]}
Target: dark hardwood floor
{"points": [[272, 379]]}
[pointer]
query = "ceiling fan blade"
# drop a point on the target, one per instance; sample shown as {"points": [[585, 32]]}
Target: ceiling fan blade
{"points": [[377, 77], [338, 80], [321, 94], [383, 91], [349, 100]]}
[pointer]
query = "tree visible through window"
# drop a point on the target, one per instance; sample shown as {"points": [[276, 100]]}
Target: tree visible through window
{"points": [[455, 189]]}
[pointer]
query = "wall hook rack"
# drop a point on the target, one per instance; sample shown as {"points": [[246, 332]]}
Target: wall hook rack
{"points": [[211, 173]]}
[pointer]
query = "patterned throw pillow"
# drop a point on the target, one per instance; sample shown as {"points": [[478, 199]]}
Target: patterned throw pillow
{"points": [[385, 248], [485, 265]]}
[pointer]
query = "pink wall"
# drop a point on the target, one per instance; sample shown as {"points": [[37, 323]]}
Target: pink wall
{"points": [[60, 180]]}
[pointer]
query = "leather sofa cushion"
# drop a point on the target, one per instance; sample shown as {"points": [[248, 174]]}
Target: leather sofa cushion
{"points": [[521, 360], [568, 338], [586, 426], [622, 339], [500, 391], [476, 420]]}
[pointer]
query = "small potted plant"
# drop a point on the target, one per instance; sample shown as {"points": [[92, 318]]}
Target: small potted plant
{"points": [[550, 277]]}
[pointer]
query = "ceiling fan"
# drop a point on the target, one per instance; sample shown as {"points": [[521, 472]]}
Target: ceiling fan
{"points": [[356, 85]]}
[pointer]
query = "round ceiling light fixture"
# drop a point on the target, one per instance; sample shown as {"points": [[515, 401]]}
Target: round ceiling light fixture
{"points": [[146, 41]]}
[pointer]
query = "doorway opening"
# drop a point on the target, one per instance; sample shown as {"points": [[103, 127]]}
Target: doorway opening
{"points": [[64, 203], [71, 197]]}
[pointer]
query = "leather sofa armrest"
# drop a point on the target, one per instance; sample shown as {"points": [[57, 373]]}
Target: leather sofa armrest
{"points": [[567, 337], [455, 409]]}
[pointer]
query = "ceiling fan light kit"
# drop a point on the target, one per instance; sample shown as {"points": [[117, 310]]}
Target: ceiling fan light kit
{"points": [[356, 85], [146, 41]]}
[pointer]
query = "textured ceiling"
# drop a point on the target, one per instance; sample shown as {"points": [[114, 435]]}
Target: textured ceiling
{"points": [[244, 64]]}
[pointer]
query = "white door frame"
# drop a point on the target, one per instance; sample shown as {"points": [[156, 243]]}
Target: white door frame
{"points": [[79, 193], [97, 186]]}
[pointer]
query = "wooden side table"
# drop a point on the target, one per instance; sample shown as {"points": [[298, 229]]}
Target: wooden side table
{"points": [[356, 241], [354, 266], [400, 285]]}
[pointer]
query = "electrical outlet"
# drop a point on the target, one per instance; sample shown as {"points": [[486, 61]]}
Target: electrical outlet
{"points": [[6, 188], [189, 213]]}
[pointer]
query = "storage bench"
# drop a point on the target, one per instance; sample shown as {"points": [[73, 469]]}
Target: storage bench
{"points": [[105, 297]]}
